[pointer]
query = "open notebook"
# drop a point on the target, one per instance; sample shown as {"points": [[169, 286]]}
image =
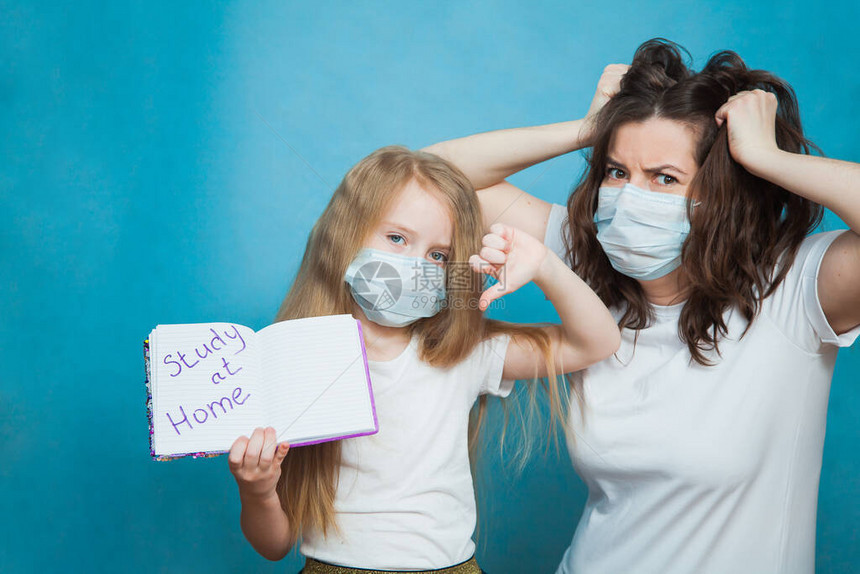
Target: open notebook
{"points": [[209, 383]]}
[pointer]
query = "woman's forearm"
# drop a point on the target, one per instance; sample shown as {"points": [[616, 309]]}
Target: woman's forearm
{"points": [[832, 183], [835, 185], [491, 157], [751, 119]]}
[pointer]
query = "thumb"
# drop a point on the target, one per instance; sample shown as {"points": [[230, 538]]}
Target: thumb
{"points": [[491, 294], [722, 115], [283, 449]]}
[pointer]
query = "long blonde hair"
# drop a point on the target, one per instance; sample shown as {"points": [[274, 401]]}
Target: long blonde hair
{"points": [[309, 474]]}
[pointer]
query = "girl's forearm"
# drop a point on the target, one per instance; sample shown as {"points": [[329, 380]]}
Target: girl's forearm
{"points": [[265, 525], [589, 332], [489, 158]]}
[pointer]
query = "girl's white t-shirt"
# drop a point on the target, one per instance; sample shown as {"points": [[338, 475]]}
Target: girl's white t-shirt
{"points": [[404, 497], [707, 469]]}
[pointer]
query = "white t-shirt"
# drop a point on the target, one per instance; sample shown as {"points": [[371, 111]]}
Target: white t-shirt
{"points": [[405, 498], [707, 469]]}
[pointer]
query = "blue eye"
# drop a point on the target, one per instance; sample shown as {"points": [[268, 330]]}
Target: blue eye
{"points": [[396, 239], [439, 257], [664, 179], [615, 173]]}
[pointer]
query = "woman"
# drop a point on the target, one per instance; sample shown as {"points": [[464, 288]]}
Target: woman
{"points": [[701, 439]]}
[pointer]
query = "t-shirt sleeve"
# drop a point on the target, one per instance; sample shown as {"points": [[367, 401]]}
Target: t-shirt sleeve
{"points": [[554, 238], [795, 306], [489, 362]]}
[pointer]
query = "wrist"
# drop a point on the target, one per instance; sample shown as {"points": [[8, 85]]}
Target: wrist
{"points": [[260, 497], [557, 139], [584, 132], [548, 268], [762, 161]]}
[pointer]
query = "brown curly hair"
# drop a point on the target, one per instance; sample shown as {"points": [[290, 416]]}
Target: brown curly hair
{"points": [[744, 233]]}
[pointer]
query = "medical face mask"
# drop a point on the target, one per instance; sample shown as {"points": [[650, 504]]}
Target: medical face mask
{"points": [[394, 290], [641, 231]]}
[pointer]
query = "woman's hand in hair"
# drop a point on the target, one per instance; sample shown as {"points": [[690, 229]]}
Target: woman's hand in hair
{"points": [[256, 462], [750, 118], [607, 86], [509, 255]]}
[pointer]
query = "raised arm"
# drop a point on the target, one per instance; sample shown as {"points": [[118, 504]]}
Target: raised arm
{"points": [[489, 158], [832, 183], [256, 466], [587, 333]]}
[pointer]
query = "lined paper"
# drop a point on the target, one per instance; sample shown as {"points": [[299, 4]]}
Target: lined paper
{"points": [[315, 370]]}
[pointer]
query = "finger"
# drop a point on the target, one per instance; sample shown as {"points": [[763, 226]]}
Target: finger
{"points": [[255, 445], [493, 256], [282, 451], [502, 230], [616, 68], [770, 98], [731, 102], [619, 69], [610, 82], [237, 452], [496, 242], [270, 444], [491, 294], [481, 266], [722, 114], [756, 96]]}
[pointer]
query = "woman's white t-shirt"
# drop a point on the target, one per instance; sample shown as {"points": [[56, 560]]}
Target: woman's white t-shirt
{"points": [[404, 497], [707, 469]]}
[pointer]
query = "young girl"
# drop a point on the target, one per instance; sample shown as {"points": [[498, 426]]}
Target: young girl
{"points": [[402, 500]]}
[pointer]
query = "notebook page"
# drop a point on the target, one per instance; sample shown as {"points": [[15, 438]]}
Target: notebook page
{"points": [[316, 372], [206, 387]]}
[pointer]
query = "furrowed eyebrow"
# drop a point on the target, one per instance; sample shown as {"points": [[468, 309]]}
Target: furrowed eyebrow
{"points": [[664, 167], [612, 162]]}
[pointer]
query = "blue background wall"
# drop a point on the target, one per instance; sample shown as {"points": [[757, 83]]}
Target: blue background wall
{"points": [[163, 163]]}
